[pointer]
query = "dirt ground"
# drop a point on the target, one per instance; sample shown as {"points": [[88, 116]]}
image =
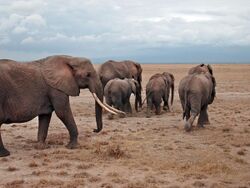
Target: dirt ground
{"points": [[137, 151]]}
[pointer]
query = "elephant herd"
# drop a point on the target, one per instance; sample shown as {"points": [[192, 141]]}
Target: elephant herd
{"points": [[37, 88]]}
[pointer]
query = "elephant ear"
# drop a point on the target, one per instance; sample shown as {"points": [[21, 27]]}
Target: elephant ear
{"points": [[213, 93], [166, 80], [58, 74], [172, 77], [209, 67]]}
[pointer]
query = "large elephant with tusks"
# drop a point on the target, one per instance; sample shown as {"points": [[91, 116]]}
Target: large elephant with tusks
{"points": [[38, 88]]}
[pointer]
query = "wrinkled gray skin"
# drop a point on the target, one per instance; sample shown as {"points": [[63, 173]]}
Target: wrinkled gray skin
{"points": [[117, 93], [123, 69], [38, 88], [196, 92], [158, 89]]}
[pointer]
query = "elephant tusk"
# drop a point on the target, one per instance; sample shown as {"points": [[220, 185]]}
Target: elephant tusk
{"points": [[114, 109], [102, 105]]}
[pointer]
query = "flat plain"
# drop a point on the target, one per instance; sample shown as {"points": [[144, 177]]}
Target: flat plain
{"points": [[137, 151]]}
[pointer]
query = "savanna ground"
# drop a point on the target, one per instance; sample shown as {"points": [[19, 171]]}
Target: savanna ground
{"points": [[138, 151]]}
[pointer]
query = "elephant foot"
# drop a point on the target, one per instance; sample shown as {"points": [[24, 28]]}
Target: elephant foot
{"points": [[148, 115], [4, 152], [72, 145], [200, 125], [96, 130], [207, 123], [122, 115], [165, 108], [41, 146], [187, 126]]}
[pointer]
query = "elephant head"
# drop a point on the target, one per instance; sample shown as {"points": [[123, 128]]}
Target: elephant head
{"points": [[170, 79], [69, 75], [201, 68]]}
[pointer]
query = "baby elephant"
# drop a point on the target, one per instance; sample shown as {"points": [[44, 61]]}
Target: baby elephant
{"points": [[196, 92], [117, 93], [158, 89]]}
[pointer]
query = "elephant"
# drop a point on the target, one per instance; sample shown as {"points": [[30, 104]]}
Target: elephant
{"points": [[196, 92], [38, 88], [123, 69], [158, 89], [117, 93]]}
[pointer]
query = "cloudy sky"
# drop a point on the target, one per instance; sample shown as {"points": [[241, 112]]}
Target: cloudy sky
{"points": [[143, 30]]}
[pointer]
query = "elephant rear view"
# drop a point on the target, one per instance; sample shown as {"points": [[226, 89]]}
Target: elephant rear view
{"points": [[158, 89], [196, 92], [117, 93], [122, 69]]}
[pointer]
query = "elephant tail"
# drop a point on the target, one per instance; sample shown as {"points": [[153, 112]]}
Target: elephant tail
{"points": [[172, 88], [185, 107], [172, 93], [146, 98]]}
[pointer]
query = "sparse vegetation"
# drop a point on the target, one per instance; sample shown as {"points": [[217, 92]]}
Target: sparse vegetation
{"points": [[136, 152]]}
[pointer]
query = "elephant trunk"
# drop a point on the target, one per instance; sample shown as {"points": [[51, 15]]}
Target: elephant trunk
{"points": [[138, 99], [97, 89]]}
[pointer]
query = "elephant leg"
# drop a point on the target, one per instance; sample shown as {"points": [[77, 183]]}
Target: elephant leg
{"points": [[187, 113], [109, 102], [165, 100], [149, 107], [3, 152], [195, 108], [203, 118], [190, 118], [120, 106], [182, 105], [189, 122], [64, 113], [128, 107], [124, 108], [43, 126], [158, 109]]}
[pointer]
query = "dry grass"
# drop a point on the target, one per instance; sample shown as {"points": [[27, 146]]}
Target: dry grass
{"points": [[48, 183], [111, 151], [82, 175], [33, 164], [15, 184], [138, 151], [84, 166], [11, 169]]}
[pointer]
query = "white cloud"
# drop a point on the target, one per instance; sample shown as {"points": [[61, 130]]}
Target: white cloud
{"points": [[34, 20], [9, 22], [4, 40], [123, 24], [28, 40], [19, 30], [27, 7]]}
